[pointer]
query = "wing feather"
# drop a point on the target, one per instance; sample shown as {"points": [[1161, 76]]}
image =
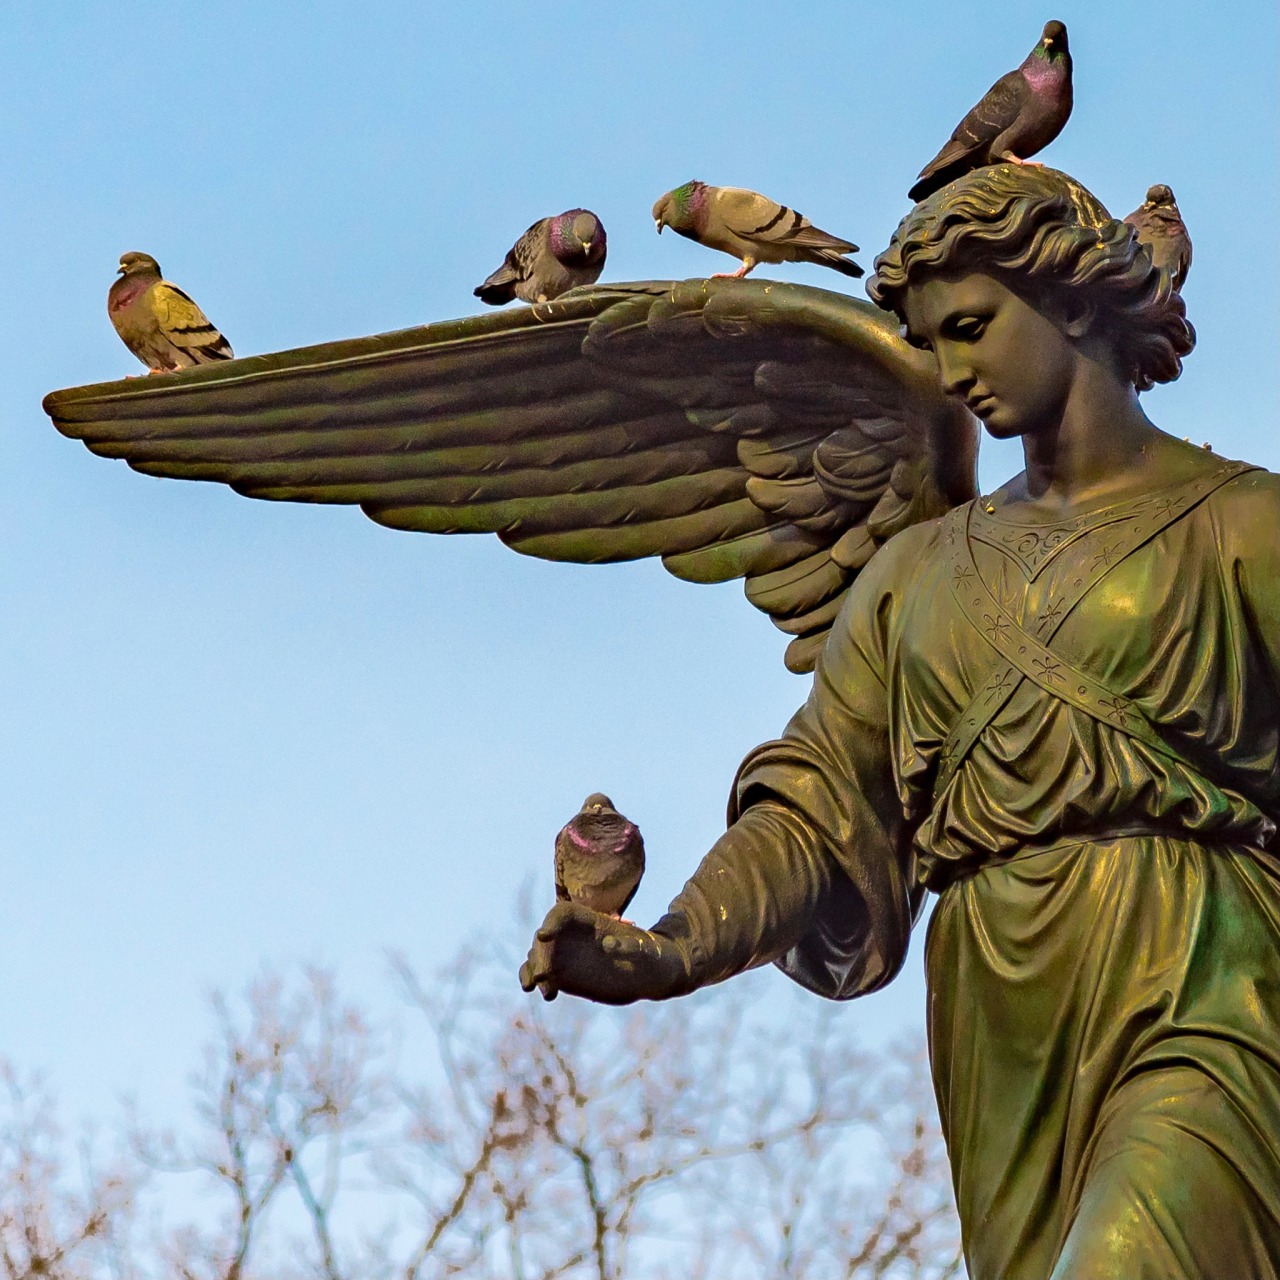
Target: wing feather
{"points": [[736, 429]]}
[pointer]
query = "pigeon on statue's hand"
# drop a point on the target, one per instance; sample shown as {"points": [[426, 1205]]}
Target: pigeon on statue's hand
{"points": [[553, 256], [751, 227], [599, 858], [1019, 115], [159, 323], [1159, 226]]}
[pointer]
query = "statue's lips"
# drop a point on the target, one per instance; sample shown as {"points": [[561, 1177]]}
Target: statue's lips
{"points": [[980, 406]]}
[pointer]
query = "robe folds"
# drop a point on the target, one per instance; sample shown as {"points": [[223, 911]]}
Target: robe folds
{"points": [[1070, 733]]}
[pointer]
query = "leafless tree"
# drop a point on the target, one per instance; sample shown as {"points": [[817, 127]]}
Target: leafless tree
{"points": [[53, 1223], [491, 1136]]}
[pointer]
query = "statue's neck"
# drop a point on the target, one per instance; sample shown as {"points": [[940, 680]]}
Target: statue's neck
{"points": [[1092, 449]]}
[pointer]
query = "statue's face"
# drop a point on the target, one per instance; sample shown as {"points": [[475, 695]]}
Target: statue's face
{"points": [[1011, 363]]}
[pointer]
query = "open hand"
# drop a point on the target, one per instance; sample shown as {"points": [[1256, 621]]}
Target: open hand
{"points": [[600, 957]]}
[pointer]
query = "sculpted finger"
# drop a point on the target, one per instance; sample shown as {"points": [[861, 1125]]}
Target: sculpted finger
{"points": [[560, 918]]}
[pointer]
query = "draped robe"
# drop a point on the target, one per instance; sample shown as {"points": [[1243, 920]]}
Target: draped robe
{"points": [[1069, 733]]}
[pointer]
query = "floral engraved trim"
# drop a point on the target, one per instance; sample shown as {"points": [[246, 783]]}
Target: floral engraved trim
{"points": [[1105, 555], [1049, 615], [1117, 709], [1000, 685], [1049, 669], [995, 627]]}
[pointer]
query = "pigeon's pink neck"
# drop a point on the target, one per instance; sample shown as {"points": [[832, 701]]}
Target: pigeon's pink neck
{"points": [[126, 289], [591, 846], [1041, 72]]}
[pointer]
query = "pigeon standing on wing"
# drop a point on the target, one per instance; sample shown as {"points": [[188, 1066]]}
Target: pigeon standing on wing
{"points": [[750, 227], [553, 256], [599, 857], [1019, 115], [159, 323], [1159, 225]]}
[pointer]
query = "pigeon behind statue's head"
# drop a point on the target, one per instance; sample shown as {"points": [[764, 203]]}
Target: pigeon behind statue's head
{"points": [[599, 857], [577, 238], [1158, 224]]}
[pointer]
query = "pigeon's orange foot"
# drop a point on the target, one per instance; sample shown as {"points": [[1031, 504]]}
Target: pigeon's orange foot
{"points": [[1031, 164], [732, 275]]}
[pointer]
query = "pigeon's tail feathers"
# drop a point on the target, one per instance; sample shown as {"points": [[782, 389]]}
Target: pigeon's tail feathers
{"points": [[807, 236], [218, 348], [935, 179], [953, 161], [499, 287], [846, 266]]}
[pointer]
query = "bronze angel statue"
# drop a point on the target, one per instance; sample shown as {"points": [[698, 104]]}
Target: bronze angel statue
{"points": [[1056, 707]]}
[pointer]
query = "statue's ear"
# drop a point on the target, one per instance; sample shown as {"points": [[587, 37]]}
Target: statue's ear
{"points": [[1076, 314]]}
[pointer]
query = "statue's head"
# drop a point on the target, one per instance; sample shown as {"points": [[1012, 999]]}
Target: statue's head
{"points": [[1040, 234]]}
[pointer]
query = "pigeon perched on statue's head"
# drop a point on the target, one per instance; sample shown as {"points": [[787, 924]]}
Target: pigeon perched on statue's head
{"points": [[1019, 115], [555, 255], [750, 227], [599, 857], [1158, 224], [159, 323]]}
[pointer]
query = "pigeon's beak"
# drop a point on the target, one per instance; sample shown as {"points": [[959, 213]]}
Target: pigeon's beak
{"points": [[657, 222]]}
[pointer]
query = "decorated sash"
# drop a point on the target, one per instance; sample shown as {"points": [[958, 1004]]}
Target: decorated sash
{"points": [[1026, 652]]}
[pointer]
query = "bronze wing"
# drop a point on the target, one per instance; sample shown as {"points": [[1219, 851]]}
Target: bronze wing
{"points": [[736, 428]]}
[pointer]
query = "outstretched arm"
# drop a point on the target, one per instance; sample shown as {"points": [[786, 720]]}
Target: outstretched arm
{"points": [[815, 871], [749, 902]]}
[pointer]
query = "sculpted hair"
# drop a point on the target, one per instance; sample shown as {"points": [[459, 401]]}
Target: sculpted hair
{"points": [[1044, 234]]}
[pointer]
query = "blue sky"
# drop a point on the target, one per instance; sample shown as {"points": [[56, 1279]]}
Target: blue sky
{"points": [[239, 732]]}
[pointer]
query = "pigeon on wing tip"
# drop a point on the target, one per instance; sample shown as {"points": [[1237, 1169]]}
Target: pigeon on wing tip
{"points": [[1158, 224], [553, 256], [1019, 115], [599, 858], [159, 323], [750, 227]]}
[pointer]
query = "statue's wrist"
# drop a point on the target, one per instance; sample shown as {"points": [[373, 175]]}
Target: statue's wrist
{"points": [[683, 966]]}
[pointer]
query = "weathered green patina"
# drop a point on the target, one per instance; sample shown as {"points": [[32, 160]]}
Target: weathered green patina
{"points": [[1056, 707]]}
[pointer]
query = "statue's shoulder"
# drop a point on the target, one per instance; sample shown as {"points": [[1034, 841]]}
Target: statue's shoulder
{"points": [[1253, 492], [909, 553], [1246, 517]]}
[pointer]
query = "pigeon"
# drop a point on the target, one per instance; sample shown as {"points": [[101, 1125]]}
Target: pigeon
{"points": [[158, 322], [1019, 115], [553, 256], [1160, 227], [599, 858], [751, 227]]}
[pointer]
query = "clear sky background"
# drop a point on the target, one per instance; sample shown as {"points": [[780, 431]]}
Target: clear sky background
{"points": [[236, 732]]}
